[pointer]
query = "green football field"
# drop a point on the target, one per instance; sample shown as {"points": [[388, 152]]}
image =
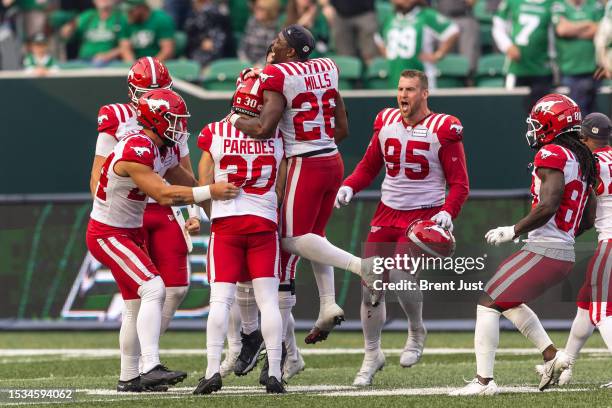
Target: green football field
{"points": [[88, 363]]}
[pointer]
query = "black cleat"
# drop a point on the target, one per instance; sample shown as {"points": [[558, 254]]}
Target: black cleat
{"points": [[273, 386], [213, 384], [263, 376], [160, 375], [252, 344], [132, 385], [155, 388]]}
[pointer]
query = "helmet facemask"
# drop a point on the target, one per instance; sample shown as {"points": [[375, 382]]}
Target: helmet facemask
{"points": [[176, 133], [533, 127], [135, 92]]}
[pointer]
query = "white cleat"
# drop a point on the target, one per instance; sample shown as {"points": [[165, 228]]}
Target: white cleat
{"points": [[293, 365], [564, 379], [553, 369], [227, 366], [369, 368], [330, 316], [608, 385], [413, 350], [474, 387]]}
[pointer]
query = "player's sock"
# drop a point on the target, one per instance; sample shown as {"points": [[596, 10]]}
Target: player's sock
{"points": [[316, 248], [372, 322], [221, 298], [248, 307], [605, 328], [582, 329], [174, 297], [234, 343], [486, 340], [128, 341], [411, 302], [289, 339], [148, 323], [324, 276], [266, 292], [286, 301], [527, 322]]}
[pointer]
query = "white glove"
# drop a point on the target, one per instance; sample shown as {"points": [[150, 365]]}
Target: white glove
{"points": [[500, 235], [444, 220], [344, 196]]}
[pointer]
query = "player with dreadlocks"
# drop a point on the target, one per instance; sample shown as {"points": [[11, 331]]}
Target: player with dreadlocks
{"points": [[564, 204]]}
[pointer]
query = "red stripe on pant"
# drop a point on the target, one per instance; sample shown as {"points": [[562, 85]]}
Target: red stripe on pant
{"points": [[599, 280]]}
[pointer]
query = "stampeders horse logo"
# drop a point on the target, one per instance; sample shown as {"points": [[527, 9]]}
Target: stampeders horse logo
{"points": [[156, 104], [140, 150]]}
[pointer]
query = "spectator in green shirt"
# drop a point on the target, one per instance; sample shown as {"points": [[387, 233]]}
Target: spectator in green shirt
{"points": [[100, 32], [151, 31], [576, 23], [38, 61]]}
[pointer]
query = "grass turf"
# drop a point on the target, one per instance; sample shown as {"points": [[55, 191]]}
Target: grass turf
{"points": [[437, 370]]}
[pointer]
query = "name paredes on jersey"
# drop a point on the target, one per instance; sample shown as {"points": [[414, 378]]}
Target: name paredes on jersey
{"points": [[234, 146]]}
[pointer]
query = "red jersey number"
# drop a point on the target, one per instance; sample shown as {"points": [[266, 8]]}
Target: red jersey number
{"points": [[572, 205], [103, 182], [327, 104], [240, 177], [392, 152]]}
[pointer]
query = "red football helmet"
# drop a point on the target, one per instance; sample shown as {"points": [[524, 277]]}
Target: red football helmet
{"points": [[432, 239], [551, 116], [248, 98], [146, 74], [165, 113]]}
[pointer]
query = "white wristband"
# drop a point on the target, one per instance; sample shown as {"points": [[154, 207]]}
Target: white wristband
{"points": [[193, 212], [201, 193], [234, 118]]}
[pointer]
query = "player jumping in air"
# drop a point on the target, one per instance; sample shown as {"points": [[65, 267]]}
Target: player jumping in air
{"points": [[422, 152], [115, 236], [563, 206]]}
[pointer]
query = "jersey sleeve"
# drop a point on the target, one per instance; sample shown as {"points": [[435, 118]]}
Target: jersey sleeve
{"points": [[205, 139], [452, 158], [107, 121], [272, 79], [165, 29], [442, 26], [451, 130], [550, 156], [503, 10], [558, 11], [139, 149]]}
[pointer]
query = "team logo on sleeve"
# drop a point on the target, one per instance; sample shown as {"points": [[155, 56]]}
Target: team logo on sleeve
{"points": [[263, 77], [546, 154], [140, 150], [156, 104], [102, 118], [457, 128]]}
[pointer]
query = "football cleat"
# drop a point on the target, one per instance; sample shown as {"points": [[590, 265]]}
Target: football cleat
{"points": [[474, 387], [368, 369], [369, 276], [552, 370], [132, 385], [227, 366], [413, 350], [160, 375], [208, 386], [263, 376], [273, 386], [293, 365], [330, 315], [252, 344]]}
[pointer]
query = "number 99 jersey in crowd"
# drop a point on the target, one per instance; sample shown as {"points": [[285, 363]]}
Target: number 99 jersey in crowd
{"points": [[563, 226], [248, 163], [603, 219], [310, 89]]}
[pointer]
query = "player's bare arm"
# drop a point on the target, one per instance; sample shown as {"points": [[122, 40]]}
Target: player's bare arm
{"points": [[281, 178], [153, 185], [206, 170], [551, 193], [180, 176], [96, 167], [588, 216], [340, 120], [264, 126]]}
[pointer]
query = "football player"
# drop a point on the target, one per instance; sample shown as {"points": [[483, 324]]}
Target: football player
{"points": [[129, 175], [421, 152], [594, 310], [244, 243], [301, 98], [564, 175], [164, 226]]}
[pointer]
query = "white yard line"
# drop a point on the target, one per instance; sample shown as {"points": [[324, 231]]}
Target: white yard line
{"points": [[77, 353]]}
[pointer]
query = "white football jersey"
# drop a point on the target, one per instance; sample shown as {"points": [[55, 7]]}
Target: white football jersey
{"points": [[248, 163], [563, 225], [118, 201], [603, 218], [413, 166], [311, 90]]}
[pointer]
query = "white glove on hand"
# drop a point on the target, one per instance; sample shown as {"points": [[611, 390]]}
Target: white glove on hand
{"points": [[500, 235], [444, 220], [344, 196]]}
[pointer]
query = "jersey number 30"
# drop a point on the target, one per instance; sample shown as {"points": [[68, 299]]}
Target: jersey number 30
{"points": [[241, 177]]}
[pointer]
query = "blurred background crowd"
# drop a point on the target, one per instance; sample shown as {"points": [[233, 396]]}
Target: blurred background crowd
{"points": [[488, 43]]}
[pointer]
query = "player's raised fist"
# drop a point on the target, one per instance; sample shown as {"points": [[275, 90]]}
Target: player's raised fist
{"points": [[223, 191]]}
